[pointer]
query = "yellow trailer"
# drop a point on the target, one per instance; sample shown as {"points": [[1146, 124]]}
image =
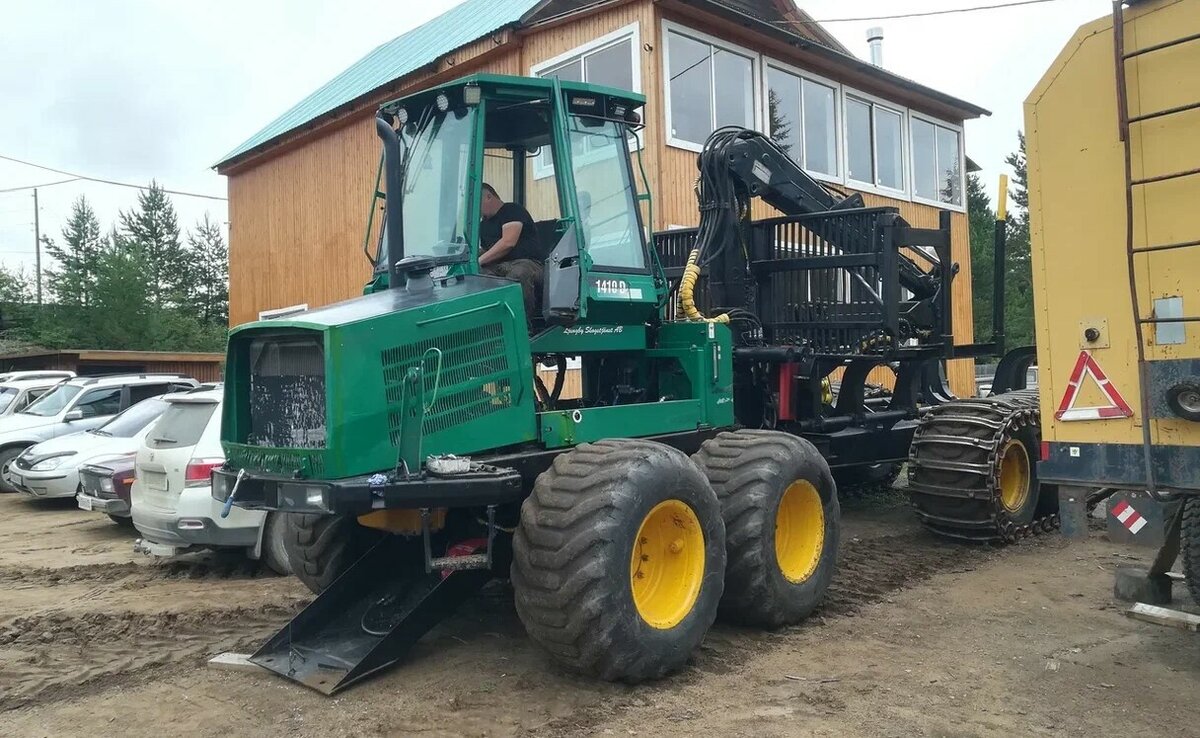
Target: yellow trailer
{"points": [[1113, 135]]}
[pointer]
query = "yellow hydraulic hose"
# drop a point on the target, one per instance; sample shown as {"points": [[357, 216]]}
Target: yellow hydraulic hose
{"points": [[687, 285]]}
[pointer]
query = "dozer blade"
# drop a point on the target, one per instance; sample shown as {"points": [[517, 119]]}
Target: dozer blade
{"points": [[367, 620]]}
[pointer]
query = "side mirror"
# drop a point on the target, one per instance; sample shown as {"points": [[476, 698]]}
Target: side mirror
{"points": [[73, 415]]}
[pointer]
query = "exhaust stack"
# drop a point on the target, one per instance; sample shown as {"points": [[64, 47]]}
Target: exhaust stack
{"points": [[875, 39]]}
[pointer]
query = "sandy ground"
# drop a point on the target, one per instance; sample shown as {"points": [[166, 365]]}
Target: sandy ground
{"points": [[918, 637]]}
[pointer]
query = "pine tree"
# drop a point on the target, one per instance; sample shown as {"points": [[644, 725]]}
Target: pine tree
{"points": [[780, 125], [153, 229], [982, 223], [1018, 286], [71, 282], [209, 273], [123, 316]]}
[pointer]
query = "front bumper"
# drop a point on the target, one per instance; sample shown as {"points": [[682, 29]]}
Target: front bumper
{"points": [[119, 508], [483, 485], [47, 484]]}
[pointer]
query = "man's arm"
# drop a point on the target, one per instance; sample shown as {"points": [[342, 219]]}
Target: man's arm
{"points": [[510, 233]]}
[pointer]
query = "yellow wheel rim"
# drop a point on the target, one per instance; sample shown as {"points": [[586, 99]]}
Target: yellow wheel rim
{"points": [[667, 565], [799, 531], [1014, 476]]}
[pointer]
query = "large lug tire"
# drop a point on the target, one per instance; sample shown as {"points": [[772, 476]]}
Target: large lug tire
{"points": [[274, 543], [320, 548], [1190, 541], [619, 560], [972, 473], [6, 457], [782, 524]]}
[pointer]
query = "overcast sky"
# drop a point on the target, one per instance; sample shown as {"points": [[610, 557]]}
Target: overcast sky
{"points": [[132, 90]]}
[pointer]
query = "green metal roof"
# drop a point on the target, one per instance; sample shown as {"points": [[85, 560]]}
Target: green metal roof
{"points": [[457, 27]]}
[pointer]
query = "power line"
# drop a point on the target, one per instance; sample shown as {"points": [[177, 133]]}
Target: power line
{"points": [[36, 186], [100, 181], [922, 14]]}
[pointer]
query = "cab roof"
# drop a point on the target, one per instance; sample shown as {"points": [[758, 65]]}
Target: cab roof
{"points": [[500, 84]]}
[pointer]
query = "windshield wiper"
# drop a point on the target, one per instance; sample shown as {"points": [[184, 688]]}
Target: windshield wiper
{"points": [[163, 439], [100, 432]]}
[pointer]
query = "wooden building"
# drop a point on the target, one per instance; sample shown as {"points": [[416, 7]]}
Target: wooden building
{"points": [[300, 190], [86, 362]]}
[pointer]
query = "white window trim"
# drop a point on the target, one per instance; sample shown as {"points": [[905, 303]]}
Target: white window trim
{"points": [[633, 32], [905, 146], [755, 78], [838, 135], [759, 65], [962, 158]]}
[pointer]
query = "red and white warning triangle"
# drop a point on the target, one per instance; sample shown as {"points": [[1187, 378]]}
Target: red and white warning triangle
{"points": [[1086, 366]]}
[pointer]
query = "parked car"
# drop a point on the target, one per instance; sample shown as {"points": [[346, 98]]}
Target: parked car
{"points": [[171, 497], [51, 468], [52, 374], [104, 486], [75, 405], [19, 389]]}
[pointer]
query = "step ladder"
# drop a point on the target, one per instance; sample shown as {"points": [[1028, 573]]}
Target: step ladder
{"points": [[1122, 57]]}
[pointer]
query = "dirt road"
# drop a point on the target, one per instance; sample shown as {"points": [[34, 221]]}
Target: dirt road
{"points": [[917, 638]]}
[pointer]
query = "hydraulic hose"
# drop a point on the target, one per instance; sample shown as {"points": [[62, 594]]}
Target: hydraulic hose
{"points": [[687, 288]]}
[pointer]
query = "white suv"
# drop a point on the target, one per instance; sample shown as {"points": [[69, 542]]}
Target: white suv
{"points": [[76, 405], [171, 499], [19, 389]]}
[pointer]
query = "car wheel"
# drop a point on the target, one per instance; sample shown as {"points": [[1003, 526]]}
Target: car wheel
{"points": [[274, 553], [6, 457]]}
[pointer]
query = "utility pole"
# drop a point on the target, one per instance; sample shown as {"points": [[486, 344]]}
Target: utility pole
{"points": [[37, 246]]}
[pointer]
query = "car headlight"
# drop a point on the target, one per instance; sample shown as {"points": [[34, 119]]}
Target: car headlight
{"points": [[48, 464], [106, 484]]}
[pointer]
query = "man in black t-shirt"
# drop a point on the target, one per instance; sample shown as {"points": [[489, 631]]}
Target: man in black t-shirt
{"points": [[508, 245]]}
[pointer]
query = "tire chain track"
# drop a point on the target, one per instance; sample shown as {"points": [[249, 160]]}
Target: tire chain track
{"points": [[131, 573], [59, 655], [870, 569], [55, 655]]}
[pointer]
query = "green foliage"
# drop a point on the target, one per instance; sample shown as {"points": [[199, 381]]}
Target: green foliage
{"points": [[982, 224], [152, 228], [1018, 274], [1018, 287], [209, 272], [780, 124], [138, 287], [71, 283]]}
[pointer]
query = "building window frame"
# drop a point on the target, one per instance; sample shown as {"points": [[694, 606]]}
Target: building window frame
{"points": [[962, 158], [631, 33], [838, 134], [905, 191], [756, 75]]}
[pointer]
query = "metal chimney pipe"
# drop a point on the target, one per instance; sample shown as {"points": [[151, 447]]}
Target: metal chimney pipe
{"points": [[875, 39]]}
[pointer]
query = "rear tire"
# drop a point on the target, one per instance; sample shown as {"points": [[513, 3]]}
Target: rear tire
{"points": [[619, 560], [321, 547], [6, 457], [782, 524], [1190, 534], [274, 546]]}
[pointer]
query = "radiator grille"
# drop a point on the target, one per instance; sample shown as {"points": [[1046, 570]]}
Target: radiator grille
{"points": [[287, 392], [474, 378]]}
